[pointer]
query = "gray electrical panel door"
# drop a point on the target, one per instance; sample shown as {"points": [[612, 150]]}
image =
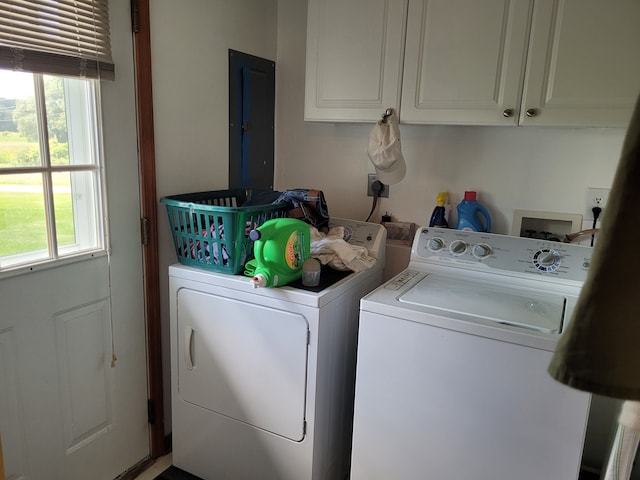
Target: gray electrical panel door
{"points": [[251, 121]]}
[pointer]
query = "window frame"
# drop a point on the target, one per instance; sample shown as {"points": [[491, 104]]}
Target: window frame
{"points": [[85, 141]]}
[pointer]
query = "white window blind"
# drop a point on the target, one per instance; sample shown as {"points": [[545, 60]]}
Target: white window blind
{"points": [[57, 37]]}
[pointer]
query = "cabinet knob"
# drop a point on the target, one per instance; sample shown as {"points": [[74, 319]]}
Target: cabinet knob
{"points": [[508, 112], [532, 112]]}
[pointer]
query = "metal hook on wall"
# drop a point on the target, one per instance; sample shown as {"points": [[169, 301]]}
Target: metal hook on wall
{"points": [[387, 113]]}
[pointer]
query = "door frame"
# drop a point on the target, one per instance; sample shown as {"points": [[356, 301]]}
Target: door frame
{"points": [[140, 20]]}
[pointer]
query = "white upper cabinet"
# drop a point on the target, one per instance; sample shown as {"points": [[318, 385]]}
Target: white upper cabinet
{"points": [[583, 67], [489, 62], [464, 61], [355, 50]]}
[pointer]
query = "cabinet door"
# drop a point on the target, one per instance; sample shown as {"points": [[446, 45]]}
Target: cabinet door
{"points": [[464, 61], [584, 64], [354, 58]]}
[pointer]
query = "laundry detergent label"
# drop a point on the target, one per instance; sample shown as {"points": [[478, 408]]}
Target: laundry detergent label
{"points": [[294, 253]]}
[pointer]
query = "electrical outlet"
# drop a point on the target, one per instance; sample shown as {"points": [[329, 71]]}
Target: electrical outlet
{"points": [[372, 177], [596, 197]]}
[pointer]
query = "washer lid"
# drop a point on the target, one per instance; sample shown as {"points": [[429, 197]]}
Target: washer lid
{"points": [[542, 312]]}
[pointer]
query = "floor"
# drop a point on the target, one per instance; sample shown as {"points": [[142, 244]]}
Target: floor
{"points": [[163, 463], [163, 470], [156, 469]]}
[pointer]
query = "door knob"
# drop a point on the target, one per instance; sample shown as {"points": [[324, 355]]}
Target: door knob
{"points": [[532, 112], [508, 112]]}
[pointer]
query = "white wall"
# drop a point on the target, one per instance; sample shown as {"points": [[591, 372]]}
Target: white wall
{"points": [[190, 40]]}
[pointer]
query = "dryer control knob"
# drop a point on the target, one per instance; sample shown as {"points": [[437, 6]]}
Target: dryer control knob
{"points": [[481, 250], [436, 244], [458, 247]]}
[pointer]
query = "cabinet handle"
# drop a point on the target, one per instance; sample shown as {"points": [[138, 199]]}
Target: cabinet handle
{"points": [[532, 112], [508, 112]]}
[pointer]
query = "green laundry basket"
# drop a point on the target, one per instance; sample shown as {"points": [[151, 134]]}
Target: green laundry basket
{"points": [[210, 230]]}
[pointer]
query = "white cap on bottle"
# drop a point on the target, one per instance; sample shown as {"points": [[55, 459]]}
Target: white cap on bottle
{"points": [[259, 281]]}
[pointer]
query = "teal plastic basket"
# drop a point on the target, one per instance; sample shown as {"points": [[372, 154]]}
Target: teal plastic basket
{"points": [[210, 230]]}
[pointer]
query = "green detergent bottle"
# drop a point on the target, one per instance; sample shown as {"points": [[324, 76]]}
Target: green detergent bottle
{"points": [[280, 247]]}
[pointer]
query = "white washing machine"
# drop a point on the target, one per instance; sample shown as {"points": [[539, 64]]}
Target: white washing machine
{"points": [[263, 379], [452, 380]]}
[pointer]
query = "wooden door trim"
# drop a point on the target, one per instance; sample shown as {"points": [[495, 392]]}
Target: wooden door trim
{"points": [[149, 224]]}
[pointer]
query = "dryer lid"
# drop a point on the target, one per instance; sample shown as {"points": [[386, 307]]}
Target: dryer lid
{"points": [[519, 307]]}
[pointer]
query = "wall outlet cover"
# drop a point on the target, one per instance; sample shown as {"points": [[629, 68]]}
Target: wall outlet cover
{"points": [[596, 197], [372, 177]]}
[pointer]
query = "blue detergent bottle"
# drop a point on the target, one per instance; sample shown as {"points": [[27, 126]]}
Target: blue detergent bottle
{"points": [[472, 215]]}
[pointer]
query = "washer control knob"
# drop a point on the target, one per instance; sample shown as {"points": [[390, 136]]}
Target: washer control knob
{"points": [[481, 250], [458, 247], [546, 260], [435, 244]]}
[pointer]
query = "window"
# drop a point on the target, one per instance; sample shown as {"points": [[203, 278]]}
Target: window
{"points": [[50, 168], [53, 53]]}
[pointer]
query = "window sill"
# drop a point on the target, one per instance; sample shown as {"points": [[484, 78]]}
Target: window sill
{"points": [[50, 263]]}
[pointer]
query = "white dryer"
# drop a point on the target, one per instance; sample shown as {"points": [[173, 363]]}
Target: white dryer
{"points": [[263, 379], [452, 379]]}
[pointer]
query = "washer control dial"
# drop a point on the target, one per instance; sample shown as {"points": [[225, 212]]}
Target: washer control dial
{"points": [[435, 244], [458, 247], [546, 260], [481, 250]]}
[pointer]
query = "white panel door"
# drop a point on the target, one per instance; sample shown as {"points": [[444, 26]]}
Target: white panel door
{"points": [[66, 411], [464, 61], [245, 361], [354, 58], [583, 67]]}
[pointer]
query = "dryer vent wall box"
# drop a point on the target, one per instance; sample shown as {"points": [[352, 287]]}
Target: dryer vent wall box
{"points": [[545, 225]]}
